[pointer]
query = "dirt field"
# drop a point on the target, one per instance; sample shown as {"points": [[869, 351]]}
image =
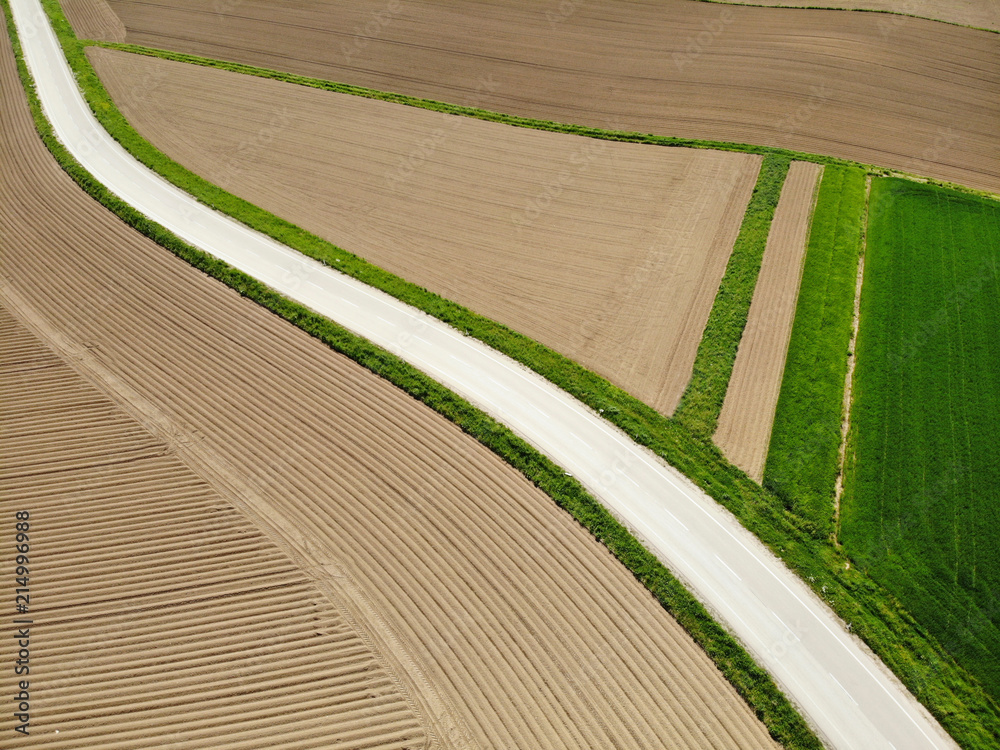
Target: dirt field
{"points": [[900, 92], [609, 253], [502, 621], [143, 576], [744, 429], [94, 19], [983, 14]]}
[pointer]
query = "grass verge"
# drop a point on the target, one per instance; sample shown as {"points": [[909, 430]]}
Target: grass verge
{"points": [[922, 664], [920, 508], [713, 365], [803, 457], [753, 684]]}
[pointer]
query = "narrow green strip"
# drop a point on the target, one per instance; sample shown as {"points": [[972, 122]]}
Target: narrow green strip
{"points": [[713, 365], [803, 457], [920, 662], [751, 682]]}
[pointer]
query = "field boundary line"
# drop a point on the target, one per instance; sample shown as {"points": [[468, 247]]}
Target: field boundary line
{"points": [[752, 683], [522, 122], [854, 10], [702, 400], [845, 428], [877, 618]]}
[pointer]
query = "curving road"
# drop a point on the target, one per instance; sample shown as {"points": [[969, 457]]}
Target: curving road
{"points": [[845, 692]]}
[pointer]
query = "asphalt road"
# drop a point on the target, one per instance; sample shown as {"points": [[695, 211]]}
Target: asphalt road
{"points": [[845, 692]]}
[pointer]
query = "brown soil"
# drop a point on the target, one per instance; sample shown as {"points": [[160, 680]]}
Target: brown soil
{"points": [[504, 623], [899, 92], [982, 14], [157, 609], [94, 19], [610, 253], [744, 430]]}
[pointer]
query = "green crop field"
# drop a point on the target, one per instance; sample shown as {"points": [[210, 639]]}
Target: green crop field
{"points": [[921, 510], [803, 457]]}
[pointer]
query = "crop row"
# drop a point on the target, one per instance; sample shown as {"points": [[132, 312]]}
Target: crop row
{"points": [[752, 683], [803, 458]]}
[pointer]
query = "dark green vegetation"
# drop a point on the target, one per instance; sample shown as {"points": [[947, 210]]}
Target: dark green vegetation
{"points": [[923, 665], [803, 458], [702, 400], [921, 512]]}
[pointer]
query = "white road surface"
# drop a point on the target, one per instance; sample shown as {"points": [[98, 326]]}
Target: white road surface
{"points": [[845, 692]]}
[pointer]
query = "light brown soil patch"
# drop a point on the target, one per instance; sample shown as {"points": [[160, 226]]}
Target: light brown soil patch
{"points": [[504, 621], [94, 19], [609, 253], [905, 93], [982, 14], [159, 610], [744, 429]]}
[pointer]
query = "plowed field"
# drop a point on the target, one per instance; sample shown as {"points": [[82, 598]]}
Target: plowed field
{"points": [[747, 414], [94, 19], [159, 609], [899, 92], [609, 253], [983, 14], [500, 618]]}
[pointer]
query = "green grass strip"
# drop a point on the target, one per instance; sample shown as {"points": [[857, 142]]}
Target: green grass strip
{"points": [[713, 365], [751, 682], [920, 662], [804, 454]]}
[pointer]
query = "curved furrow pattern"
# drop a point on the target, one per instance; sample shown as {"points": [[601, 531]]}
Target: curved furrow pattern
{"points": [[505, 622]]}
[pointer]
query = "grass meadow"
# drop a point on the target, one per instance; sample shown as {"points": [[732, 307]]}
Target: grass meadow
{"points": [[921, 511], [803, 457]]}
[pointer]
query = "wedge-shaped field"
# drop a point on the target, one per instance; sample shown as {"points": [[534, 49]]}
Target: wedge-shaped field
{"points": [[899, 92], [158, 610], [500, 618], [609, 253], [748, 410], [921, 508]]}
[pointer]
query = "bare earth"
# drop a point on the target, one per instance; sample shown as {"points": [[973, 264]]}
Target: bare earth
{"points": [[499, 618], [94, 19], [982, 14], [744, 429], [899, 92], [610, 253], [149, 589]]}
